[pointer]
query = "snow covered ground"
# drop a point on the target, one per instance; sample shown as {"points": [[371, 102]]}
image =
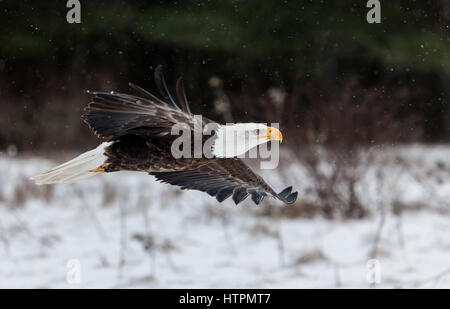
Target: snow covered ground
{"points": [[127, 231]]}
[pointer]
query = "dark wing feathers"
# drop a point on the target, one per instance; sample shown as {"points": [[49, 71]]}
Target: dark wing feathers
{"points": [[287, 196], [257, 198], [224, 194], [286, 192], [206, 179], [223, 178], [115, 114], [182, 96], [111, 115], [239, 195], [162, 87], [155, 99], [290, 198]]}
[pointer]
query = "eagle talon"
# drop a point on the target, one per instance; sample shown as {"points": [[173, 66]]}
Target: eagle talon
{"points": [[99, 169]]}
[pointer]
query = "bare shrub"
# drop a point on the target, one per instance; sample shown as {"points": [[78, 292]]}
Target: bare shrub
{"points": [[109, 194], [333, 132], [311, 256], [262, 229], [19, 197], [338, 131], [26, 190]]}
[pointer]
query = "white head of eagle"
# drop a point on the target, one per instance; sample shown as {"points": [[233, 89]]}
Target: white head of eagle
{"points": [[236, 139]]}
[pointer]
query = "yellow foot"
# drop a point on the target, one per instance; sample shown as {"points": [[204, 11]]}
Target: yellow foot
{"points": [[100, 169]]}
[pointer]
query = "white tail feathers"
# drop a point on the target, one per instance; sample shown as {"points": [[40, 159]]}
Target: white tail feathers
{"points": [[75, 169]]}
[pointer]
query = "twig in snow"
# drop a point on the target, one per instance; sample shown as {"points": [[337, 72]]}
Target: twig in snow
{"points": [[280, 245], [399, 225], [4, 239], [377, 238], [337, 276], [224, 220], [92, 214], [434, 279], [123, 239], [96, 222], [148, 235]]}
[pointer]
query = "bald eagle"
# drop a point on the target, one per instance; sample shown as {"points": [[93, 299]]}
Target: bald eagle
{"points": [[138, 130]]}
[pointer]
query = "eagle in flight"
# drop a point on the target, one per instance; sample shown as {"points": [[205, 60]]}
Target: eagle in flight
{"points": [[138, 130]]}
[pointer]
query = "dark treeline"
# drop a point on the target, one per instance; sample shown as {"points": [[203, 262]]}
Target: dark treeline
{"points": [[317, 67]]}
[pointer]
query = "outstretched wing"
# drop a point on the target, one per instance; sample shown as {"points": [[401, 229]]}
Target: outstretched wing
{"points": [[112, 115], [223, 178]]}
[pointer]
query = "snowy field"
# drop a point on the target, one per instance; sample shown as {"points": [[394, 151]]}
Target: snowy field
{"points": [[128, 231]]}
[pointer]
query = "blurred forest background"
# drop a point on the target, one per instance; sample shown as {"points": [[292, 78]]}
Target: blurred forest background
{"points": [[317, 67], [364, 110]]}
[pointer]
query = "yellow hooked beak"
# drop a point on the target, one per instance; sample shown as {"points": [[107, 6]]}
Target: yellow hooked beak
{"points": [[274, 134]]}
